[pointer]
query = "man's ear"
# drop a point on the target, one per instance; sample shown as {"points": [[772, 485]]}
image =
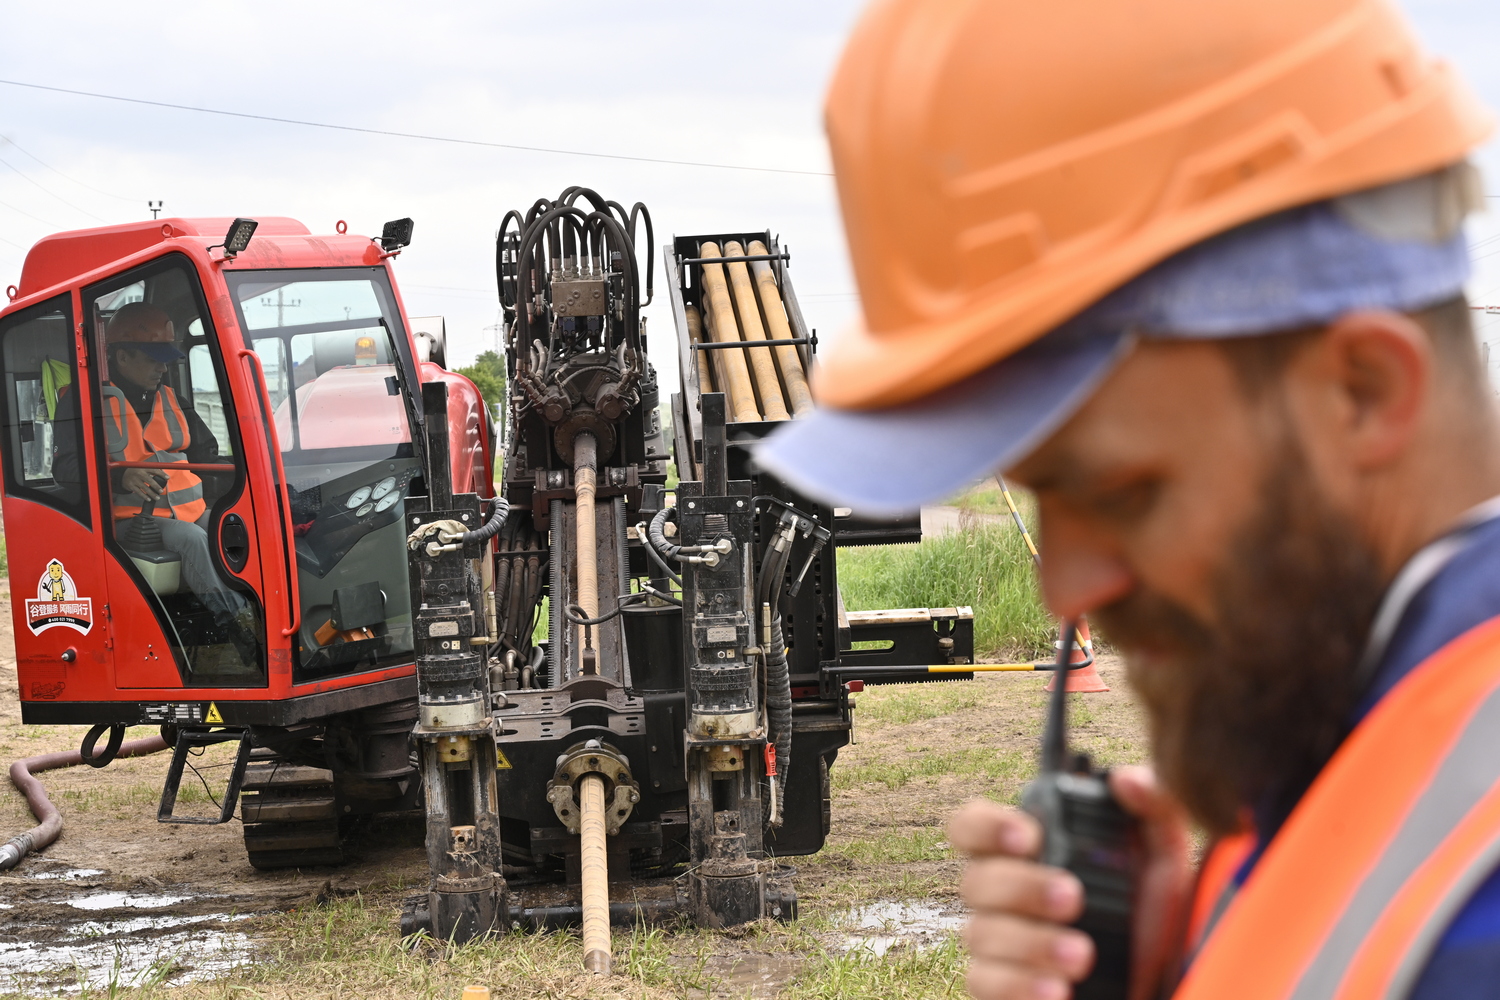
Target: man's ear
{"points": [[1379, 366]]}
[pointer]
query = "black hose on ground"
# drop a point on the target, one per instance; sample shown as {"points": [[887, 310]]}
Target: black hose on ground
{"points": [[49, 820]]}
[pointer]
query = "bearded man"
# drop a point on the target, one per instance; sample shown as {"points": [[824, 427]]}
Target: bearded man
{"points": [[1194, 274]]}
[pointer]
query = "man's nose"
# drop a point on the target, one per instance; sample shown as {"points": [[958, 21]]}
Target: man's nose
{"points": [[1082, 569]]}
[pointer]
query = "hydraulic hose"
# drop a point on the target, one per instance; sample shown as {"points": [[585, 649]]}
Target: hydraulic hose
{"points": [[779, 711], [657, 538], [642, 531], [491, 528], [778, 673], [49, 820]]}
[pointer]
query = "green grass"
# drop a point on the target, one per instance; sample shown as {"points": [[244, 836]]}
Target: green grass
{"points": [[983, 566], [900, 704], [922, 762], [900, 974], [893, 847]]}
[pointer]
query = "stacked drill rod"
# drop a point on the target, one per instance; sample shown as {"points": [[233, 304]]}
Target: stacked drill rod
{"points": [[742, 304]]}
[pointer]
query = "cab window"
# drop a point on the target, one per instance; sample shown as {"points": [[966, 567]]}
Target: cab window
{"points": [[170, 461], [328, 342], [40, 375]]}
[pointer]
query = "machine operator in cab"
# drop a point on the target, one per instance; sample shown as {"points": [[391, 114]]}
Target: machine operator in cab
{"points": [[1193, 272], [145, 422]]}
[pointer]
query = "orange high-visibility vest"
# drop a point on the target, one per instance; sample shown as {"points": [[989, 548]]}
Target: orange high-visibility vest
{"points": [[1401, 827], [164, 439]]}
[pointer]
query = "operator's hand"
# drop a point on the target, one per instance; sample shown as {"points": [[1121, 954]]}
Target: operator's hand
{"points": [[1019, 943], [142, 482]]}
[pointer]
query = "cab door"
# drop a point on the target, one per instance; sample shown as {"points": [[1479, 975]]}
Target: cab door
{"points": [[59, 601], [182, 560]]}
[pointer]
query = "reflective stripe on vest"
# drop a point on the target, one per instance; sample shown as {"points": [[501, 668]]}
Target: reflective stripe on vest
{"points": [[161, 440], [1386, 847], [1215, 888]]}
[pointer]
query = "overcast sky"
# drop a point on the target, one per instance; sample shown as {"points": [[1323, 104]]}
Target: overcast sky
{"points": [[721, 83]]}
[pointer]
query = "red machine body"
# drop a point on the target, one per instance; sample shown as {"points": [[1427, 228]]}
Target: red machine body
{"points": [[298, 363]]}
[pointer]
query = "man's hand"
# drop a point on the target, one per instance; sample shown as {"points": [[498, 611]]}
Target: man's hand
{"points": [[1019, 944], [142, 482]]}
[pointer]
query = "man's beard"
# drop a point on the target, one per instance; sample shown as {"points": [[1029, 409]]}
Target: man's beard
{"points": [[1245, 713]]}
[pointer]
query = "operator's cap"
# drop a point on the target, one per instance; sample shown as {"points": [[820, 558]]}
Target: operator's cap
{"points": [[1399, 246], [145, 327]]}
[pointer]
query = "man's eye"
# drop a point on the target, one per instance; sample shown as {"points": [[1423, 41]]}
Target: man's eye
{"points": [[1128, 503]]}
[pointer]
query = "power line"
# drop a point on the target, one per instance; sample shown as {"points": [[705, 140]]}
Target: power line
{"points": [[416, 135], [30, 216], [78, 208], [7, 140]]}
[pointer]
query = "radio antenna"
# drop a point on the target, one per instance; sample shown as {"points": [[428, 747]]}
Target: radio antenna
{"points": [[1055, 736]]}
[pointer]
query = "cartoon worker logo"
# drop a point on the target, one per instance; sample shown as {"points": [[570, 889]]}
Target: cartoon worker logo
{"points": [[53, 588], [57, 603]]}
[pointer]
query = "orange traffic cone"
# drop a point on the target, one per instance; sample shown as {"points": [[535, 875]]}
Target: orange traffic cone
{"points": [[1084, 680]]}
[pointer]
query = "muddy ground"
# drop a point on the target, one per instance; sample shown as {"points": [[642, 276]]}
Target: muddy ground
{"points": [[116, 875]]}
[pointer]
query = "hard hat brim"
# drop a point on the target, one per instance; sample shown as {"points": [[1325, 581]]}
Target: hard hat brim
{"points": [[884, 463]]}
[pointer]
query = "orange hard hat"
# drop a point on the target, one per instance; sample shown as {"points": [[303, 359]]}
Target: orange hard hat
{"points": [[1002, 165], [145, 327]]}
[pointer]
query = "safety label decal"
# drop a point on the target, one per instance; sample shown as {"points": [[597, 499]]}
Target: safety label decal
{"points": [[212, 715], [57, 603], [501, 761]]}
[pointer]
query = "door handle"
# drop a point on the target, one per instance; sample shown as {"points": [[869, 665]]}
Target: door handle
{"points": [[234, 542]]}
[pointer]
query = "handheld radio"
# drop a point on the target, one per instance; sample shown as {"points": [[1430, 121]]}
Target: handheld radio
{"points": [[1085, 831]]}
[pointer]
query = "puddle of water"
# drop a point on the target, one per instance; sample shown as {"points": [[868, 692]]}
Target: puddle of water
{"points": [[754, 976], [67, 874], [113, 900], [47, 952], [880, 926], [98, 961]]}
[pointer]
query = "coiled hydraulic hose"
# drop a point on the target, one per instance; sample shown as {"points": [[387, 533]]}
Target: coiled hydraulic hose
{"points": [[778, 673], [499, 511], [49, 820], [657, 537], [643, 533]]}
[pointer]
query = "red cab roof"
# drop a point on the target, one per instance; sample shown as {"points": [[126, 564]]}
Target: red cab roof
{"points": [[64, 256]]}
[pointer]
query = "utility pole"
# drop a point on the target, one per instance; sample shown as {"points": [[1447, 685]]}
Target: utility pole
{"points": [[155, 207]]}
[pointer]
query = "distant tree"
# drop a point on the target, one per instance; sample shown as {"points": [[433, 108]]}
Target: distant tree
{"points": [[488, 375]]}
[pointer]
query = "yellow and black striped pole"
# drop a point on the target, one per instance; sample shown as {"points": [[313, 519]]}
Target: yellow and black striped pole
{"points": [[1036, 557]]}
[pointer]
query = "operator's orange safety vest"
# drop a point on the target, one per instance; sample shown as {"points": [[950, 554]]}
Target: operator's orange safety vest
{"points": [[165, 438], [1402, 825]]}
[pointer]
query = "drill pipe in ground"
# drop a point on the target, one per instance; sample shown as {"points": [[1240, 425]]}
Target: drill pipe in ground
{"points": [[793, 378], [587, 548], [761, 362], [721, 323], [596, 950]]}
